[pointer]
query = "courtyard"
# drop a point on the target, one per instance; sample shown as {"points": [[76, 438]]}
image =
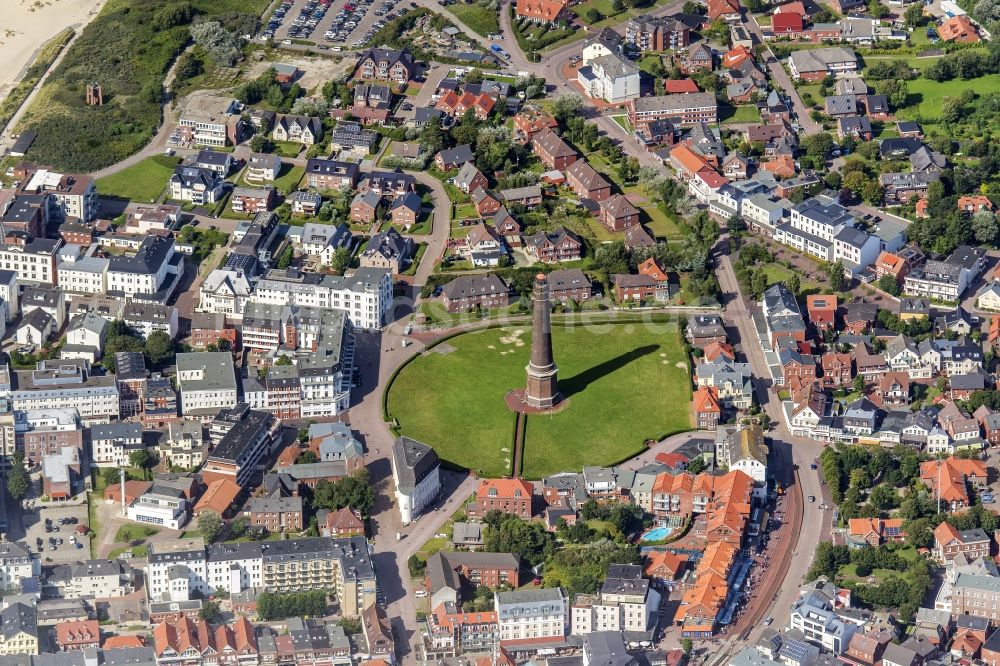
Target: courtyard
{"points": [[623, 383]]}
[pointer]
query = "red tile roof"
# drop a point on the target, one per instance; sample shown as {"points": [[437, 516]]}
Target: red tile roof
{"points": [[679, 86], [546, 10], [786, 22], [717, 8], [218, 497], [504, 488]]}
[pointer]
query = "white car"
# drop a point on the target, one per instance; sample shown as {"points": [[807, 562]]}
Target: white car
{"points": [[420, 594]]}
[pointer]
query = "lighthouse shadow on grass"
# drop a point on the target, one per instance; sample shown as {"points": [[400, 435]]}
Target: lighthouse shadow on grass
{"points": [[580, 381]]}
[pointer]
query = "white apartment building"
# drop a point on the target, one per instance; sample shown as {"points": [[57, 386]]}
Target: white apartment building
{"points": [[225, 292], [366, 296], [9, 294], [416, 471], [86, 275], [856, 249], [609, 77], [34, 262], [16, 564], [67, 384], [147, 271], [625, 603], [342, 566], [531, 614], [815, 618], [113, 443], [98, 579], [764, 212], [173, 558], [206, 382]]}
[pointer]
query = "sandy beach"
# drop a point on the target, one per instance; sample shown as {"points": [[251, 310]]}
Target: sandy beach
{"points": [[27, 24]]}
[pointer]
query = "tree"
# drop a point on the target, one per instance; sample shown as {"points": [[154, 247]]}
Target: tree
{"points": [[687, 645], [18, 481], [884, 497], [984, 226], [896, 91], [159, 349], [889, 285], [354, 492], [285, 260], [611, 258], [220, 44], [593, 16], [340, 260], [506, 533], [210, 525], [238, 526], [697, 465], [914, 15], [306, 458], [283, 360], [818, 145], [859, 383], [209, 610], [142, 459], [792, 283], [416, 566], [567, 106], [836, 273]]}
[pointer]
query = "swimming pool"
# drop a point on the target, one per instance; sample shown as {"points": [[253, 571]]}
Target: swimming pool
{"points": [[656, 534]]}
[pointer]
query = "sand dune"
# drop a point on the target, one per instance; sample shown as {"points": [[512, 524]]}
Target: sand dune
{"points": [[27, 24]]}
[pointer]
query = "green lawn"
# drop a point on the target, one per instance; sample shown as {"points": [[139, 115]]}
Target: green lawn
{"points": [[480, 18], [925, 95], [143, 182], [745, 113], [129, 533], [137, 551], [603, 6], [287, 148], [289, 178], [778, 273], [623, 123], [601, 368]]}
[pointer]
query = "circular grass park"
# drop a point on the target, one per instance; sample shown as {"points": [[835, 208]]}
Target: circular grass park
{"points": [[622, 383]]}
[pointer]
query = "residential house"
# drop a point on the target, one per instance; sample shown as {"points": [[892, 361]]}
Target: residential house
{"points": [[306, 130]]}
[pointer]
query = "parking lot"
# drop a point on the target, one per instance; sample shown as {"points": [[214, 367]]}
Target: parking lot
{"points": [[339, 22], [57, 541]]}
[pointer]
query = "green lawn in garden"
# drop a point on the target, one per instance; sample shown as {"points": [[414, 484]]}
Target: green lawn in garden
{"points": [[480, 18], [129, 533], [745, 113], [141, 182], [454, 401], [603, 6], [289, 178]]}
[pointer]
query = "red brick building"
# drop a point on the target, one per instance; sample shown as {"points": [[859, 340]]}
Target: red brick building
{"points": [[508, 495], [618, 213], [552, 150], [586, 182]]}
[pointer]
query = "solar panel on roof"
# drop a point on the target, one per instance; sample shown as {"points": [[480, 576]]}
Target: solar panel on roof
{"points": [[892, 531]]}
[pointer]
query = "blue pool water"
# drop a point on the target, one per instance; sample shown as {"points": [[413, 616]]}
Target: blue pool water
{"points": [[656, 534]]}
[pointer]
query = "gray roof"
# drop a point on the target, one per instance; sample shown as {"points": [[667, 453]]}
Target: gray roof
{"points": [[412, 462], [18, 617], [275, 505], [457, 155], [841, 104], [217, 366]]}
